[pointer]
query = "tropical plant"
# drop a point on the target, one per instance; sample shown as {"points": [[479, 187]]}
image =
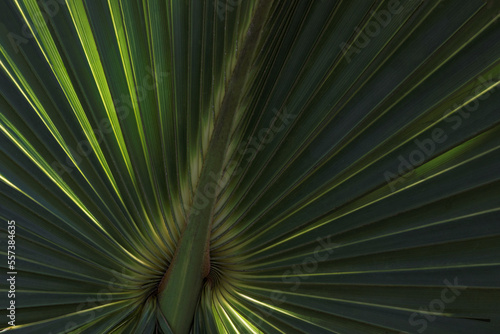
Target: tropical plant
{"points": [[300, 166]]}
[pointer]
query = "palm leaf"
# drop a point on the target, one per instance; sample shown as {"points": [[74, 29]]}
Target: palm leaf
{"points": [[250, 166]]}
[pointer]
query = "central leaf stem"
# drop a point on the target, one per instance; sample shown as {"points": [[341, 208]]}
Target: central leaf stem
{"points": [[180, 288]]}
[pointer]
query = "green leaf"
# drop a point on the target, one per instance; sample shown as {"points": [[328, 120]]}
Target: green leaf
{"points": [[244, 166]]}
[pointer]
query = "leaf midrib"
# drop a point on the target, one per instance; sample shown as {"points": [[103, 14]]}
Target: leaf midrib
{"points": [[181, 285]]}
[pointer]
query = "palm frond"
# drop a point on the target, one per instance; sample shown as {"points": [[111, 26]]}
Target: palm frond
{"points": [[250, 166]]}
